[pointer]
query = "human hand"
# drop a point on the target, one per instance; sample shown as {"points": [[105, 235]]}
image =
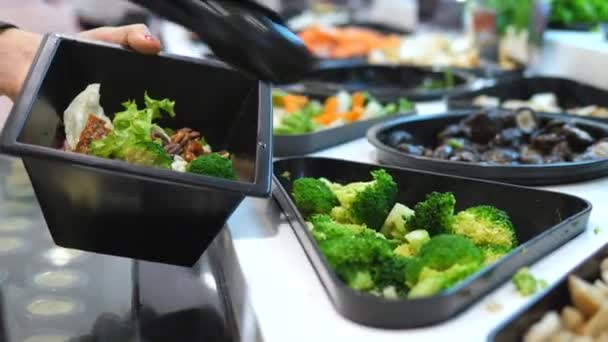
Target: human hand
{"points": [[18, 49]]}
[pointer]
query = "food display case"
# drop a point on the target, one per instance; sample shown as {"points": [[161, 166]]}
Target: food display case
{"points": [[262, 269]]}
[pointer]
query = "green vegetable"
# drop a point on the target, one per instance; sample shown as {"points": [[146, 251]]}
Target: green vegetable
{"points": [[313, 196], [131, 126], [447, 82], [597, 230], [486, 226], [324, 228], [147, 153], [449, 258], [300, 122], [403, 106], [455, 143], [493, 254], [213, 165], [395, 226], [356, 258], [434, 214], [526, 284], [415, 240], [573, 12], [366, 203], [512, 13]]}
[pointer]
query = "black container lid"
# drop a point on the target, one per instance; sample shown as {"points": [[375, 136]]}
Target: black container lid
{"points": [[242, 33]]}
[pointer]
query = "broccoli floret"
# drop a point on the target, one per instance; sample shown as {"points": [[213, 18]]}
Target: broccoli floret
{"points": [[485, 226], [493, 254], [443, 252], [432, 281], [367, 203], [391, 273], [526, 284], [313, 196], [435, 213], [356, 259], [395, 225], [324, 228], [415, 240], [214, 165], [147, 153]]}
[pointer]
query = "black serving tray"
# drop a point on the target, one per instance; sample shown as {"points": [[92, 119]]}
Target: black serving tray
{"points": [[555, 299], [543, 220], [112, 207], [569, 93], [301, 144], [425, 130], [385, 82]]}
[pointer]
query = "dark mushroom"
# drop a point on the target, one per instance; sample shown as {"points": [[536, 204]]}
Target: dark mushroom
{"points": [[529, 155], [443, 152], [465, 156], [500, 156], [399, 137], [554, 125], [546, 141], [509, 137], [451, 131], [561, 151], [411, 149], [578, 138], [526, 120], [481, 128], [596, 151]]}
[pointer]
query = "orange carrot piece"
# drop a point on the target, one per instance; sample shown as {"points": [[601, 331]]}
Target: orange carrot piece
{"points": [[331, 105], [326, 118], [294, 103], [354, 115], [358, 99]]}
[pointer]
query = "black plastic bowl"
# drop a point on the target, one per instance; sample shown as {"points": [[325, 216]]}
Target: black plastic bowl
{"points": [[385, 82], [425, 129], [543, 221], [569, 93], [555, 299], [112, 207]]}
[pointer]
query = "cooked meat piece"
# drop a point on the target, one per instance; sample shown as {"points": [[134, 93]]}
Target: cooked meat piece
{"points": [[94, 129], [585, 296]]}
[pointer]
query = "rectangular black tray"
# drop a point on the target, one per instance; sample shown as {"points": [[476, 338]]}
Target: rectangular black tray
{"points": [[555, 298], [569, 93], [112, 207], [543, 220]]}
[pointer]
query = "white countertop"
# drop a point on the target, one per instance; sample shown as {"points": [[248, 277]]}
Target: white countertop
{"points": [[291, 304]]}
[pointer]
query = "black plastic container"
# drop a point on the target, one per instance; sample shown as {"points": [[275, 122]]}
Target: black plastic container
{"points": [[425, 129], [543, 220], [112, 207], [570, 94], [301, 144], [384, 82], [556, 298]]}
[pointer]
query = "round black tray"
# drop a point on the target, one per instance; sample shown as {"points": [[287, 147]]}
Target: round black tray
{"points": [[425, 128], [386, 83]]}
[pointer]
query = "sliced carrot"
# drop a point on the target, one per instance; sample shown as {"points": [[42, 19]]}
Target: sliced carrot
{"points": [[326, 118], [294, 103], [354, 115], [331, 105], [358, 99]]}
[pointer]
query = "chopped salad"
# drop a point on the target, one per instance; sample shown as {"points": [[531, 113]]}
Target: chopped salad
{"points": [[134, 136], [298, 114]]}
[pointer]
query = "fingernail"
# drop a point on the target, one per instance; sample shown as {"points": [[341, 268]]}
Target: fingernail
{"points": [[149, 37]]}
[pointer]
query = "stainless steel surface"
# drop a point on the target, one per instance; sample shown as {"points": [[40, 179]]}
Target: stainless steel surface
{"points": [[107, 298]]}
